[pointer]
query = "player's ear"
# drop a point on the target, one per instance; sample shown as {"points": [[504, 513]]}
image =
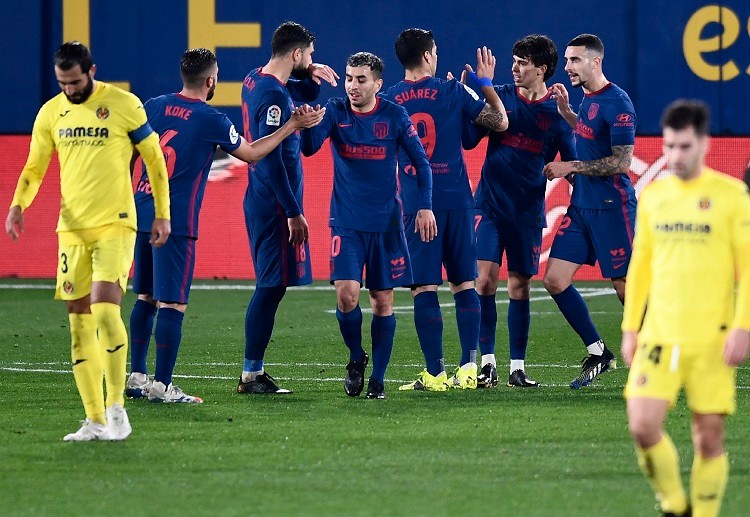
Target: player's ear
{"points": [[92, 71], [296, 54], [379, 83], [543, 69]]}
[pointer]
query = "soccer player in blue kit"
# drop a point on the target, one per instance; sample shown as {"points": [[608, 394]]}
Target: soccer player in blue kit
{"points": [[366, 218], [438, 110], [600, 220], [509, 199], [276, 226], [189, 132]]}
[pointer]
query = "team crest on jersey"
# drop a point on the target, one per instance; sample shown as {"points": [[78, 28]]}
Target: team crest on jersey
{"points": [[67, 287], [273, 116], [102, 113], [642, 380], [543, 121], [380, 129], [704, 203], [233, 136], [593, 110]]}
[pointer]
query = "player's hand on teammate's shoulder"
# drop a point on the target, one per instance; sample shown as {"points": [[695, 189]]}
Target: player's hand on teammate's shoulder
{"points": [[298, 229], [320, 72], [306, 116], [736, 347], [426, 225], [14, 222], [160, 230]]}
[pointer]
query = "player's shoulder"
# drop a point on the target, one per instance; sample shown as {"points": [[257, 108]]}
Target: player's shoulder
{"points": [[618, 94], [725, 182], [390, 108], [116, 94], [54, 104]]}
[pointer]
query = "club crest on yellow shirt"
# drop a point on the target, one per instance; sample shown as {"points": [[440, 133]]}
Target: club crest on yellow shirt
{"points": [[102, 113], [67, 287], [704, 203]]}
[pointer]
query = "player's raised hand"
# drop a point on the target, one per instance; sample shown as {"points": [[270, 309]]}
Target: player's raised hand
{"points": [[628, 347], [14, 222], [320, 72], [426, 225], [560, 94], [485, 63], [160, 230], [307, 116], [736, 347], [298, 229]]}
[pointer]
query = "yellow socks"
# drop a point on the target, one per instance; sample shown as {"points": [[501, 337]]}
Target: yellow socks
{"points": [[113, 339], [87, 365], [708, 480], [661, 465]]}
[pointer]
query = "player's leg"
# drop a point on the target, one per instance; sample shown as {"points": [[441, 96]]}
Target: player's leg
{"points": [[383, 331], [653, 383], [347, 261], [489, 256], [174, 264], [141, 317], [74, 287], [612, 237], [522, 247]]}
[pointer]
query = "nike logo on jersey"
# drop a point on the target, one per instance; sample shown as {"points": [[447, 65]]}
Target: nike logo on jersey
{"points": [[65, 113], [617, 266], [115, 349], [394, 277], [345, 125]]}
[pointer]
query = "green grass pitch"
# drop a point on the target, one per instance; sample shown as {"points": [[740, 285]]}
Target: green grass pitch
{"points": [[546, 452]]}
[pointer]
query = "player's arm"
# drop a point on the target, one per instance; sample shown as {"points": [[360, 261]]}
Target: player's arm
{"points": [[639, 281], [312, 138], [303, 117], [40, 153], [617, 163], [307, 90], [738, 339], [560, 94], [493, 115], [425, 223]]}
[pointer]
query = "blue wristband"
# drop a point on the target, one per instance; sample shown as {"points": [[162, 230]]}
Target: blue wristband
{"points": [[481, 81]]}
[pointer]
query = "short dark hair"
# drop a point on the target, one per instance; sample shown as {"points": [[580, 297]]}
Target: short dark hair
{"points": [[194, 65], [411, 45], [590, 41], [684, 113], [538, 49], [290, 36], [367, 59], [73, 53]]}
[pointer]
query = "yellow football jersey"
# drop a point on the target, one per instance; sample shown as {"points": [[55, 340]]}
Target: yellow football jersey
{"points": [[691, 240], [94, 141]]}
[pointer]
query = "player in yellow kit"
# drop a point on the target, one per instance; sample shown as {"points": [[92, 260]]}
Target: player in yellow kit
{"points": [[691, 250], [93, 126]]}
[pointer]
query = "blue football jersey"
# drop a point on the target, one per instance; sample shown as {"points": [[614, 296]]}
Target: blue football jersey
{"points": [[189, 131], [365, 155], [605, 119], [512, 186], [438, 110]]}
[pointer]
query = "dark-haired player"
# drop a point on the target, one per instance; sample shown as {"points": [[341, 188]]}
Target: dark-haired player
{"points": [[190, 131], [438, 110], [366, 219], [599, 223], [509, 199]]}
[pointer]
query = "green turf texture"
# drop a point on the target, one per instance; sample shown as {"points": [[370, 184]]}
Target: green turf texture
{"points": [[545, 452]]}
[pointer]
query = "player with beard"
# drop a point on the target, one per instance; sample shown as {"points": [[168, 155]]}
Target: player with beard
{"points": [[94, 126], [366, 217], [190, 131], [276, 226]]}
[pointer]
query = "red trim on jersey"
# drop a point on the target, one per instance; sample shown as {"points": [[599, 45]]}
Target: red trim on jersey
{"points": [[529, 101], [367, 113], [262, 74], [188, 99], [409, 81], [617, 180], [597, 92]]}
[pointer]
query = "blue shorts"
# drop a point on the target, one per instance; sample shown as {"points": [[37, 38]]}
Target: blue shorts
{"points": [[453, 248], [277, 262], [521, 244], [385, 255], [166, 273], [586, 235]]}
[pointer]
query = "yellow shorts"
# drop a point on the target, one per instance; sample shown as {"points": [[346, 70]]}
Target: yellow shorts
{"points": [[99, 255], [659, 371]]}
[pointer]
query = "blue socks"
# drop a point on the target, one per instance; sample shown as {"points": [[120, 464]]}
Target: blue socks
{"points": [[383, 329], [488, 324], [519, 319], [259, 320], [167, 335], [576, 312], [428, 321], [468, 318], [350, 324], [141, 326]]}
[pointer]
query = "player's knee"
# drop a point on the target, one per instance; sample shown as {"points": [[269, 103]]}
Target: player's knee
{"points": [[107, 316], [554, 284], [486, 285], [645, 433], [347, 300], [708, 440]]}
